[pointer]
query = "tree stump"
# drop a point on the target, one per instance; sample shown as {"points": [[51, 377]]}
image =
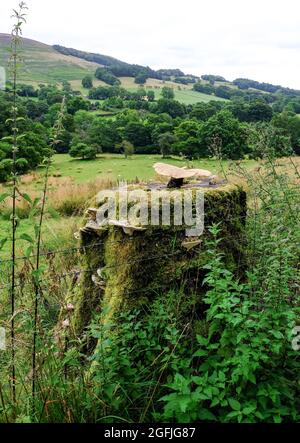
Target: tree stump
{"points": [[123, 270]]}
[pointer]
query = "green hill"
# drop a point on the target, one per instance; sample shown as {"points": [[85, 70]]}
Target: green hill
{"points": [[42, 63]]}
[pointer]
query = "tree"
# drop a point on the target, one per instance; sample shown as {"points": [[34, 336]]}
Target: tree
{"points": [[171, 107], [188, 143], [141, 78], [230, 133], [290, 124], [151, 96], [137, 133], [104, 134], [203, 111], [75, 104], [83, 151], [107, 77], [165, 143], [6, 167], [87, 82], [259, 110], [128, 148], [36, 110], [167, 93], [204, 88]]}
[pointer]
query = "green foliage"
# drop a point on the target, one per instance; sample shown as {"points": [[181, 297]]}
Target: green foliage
{"points": [[87, 82], [187, 139], [165, 143], [236, 373], [83, 151], [231, 136], [141, 78], [134, 352], [128, 148], [104, 75], [6, 167], [167, 93]]}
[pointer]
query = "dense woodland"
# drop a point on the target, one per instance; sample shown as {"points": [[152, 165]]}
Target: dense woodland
{"points": [[226, 129]]}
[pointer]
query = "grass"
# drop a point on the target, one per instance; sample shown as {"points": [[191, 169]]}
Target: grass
{"points": [[42, 64], [57, 234], [115, 166], [183, 93]]}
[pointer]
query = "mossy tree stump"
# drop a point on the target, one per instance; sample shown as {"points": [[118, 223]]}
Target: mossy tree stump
{"points": [[123, 271]]}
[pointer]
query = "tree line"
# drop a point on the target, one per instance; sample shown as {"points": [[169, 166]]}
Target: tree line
{"points": [[162, 126]]}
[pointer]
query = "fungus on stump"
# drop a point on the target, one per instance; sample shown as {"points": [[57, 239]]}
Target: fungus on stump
{"points": [[127, 266], [178, 175]]}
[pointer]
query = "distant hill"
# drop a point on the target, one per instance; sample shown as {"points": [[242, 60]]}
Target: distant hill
{"points": [[42, 63], [55, 64]]}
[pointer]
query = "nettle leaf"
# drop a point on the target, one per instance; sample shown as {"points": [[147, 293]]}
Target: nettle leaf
{"points": [[36, 230], [205, 414], [235, 405], [200, 353], [27, 198], [202, 340], [27, 238], [36, 201], [277, 334], [36, 273], [29, 251]]}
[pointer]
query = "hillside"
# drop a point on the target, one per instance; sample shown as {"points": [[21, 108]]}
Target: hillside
{"points": [[54, 64], [42, 63], [49, 64]]}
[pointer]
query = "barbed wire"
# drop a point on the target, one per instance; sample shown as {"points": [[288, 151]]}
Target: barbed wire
{"points": [[157, 231], [77, 273]]}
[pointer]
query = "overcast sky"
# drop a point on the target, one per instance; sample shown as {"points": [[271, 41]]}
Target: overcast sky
{"points": [[257, 39]]}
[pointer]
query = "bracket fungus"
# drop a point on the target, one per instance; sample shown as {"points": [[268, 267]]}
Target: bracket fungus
{"points": [[91, 213], [126, 226], [177, 175], [191, 243], [98, 282]]}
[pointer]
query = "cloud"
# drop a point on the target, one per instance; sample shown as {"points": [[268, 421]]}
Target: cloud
{"points": [[255, 39]]}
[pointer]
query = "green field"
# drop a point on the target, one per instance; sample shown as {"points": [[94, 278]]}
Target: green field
{"points": [[117, 167], [183, 93]]}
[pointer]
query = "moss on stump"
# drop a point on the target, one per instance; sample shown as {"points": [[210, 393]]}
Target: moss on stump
{"points": [[125, 271]]}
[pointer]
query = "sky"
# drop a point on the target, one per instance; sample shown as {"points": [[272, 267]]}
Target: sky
{"points": [[257, 39]]}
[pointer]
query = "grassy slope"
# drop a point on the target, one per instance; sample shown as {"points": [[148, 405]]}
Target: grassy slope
{"points": [[183, 93], [43, 64]]}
